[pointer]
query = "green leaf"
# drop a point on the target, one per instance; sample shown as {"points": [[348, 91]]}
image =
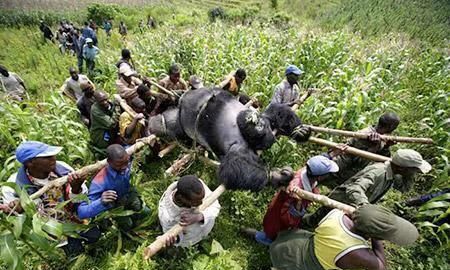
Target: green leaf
{"points": [[53, 227], [216, 248], [17, 222], [38, 223], [9, 251], [432, 205]]}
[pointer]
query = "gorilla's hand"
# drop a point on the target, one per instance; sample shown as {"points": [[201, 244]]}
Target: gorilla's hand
{"points": [[281, 177], [301, 133]]}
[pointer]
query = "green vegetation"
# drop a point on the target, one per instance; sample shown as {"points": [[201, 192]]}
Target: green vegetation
{"points": [[359, 76]]}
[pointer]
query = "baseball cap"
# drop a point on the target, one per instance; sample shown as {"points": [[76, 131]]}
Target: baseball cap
{"points": [[89, 40], [293, 69], [126, 70], [32, 149], [195, 82], [410, 158], [320, 165], [378, 222]]}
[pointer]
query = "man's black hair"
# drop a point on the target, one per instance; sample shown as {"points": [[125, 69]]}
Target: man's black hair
{"points": [[72, 69], [188, 186], [241, 73], [174, 69], [126, 54], [86, 23], [115, 152], [142, 89], [388, 119], [4, 71]]}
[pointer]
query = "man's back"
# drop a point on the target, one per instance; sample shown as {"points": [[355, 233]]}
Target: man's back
{"points": [[367, 186]]}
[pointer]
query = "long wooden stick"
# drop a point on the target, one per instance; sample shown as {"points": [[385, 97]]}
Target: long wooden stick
{"points": [[365, 135], [160, 242], [350, 150], [179, 163], [169, 92], [167, 149], [85, 171], [127, 108], [322, 199]]}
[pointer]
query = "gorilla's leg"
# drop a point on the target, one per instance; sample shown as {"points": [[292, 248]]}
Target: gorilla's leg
{"points": [[242, 169]]}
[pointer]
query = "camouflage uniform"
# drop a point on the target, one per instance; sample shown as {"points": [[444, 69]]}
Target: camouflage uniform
{"points": [[349, 164]]}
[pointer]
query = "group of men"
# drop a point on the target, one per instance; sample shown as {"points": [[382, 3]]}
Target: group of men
{"points": [[337, 240]]}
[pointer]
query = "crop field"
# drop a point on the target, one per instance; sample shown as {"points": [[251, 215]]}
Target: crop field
{"points": [[360, 75]]}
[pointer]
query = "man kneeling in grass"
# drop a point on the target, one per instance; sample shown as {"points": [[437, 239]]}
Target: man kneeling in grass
{"points": [[111, 188], [178, 206]]}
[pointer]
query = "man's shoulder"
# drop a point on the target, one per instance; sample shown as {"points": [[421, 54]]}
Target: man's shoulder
{"points": [[125, 116]]}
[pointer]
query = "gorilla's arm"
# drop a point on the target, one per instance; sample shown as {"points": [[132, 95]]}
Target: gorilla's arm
{"points": [[241, 169]]}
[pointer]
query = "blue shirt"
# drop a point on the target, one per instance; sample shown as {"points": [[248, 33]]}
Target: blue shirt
{"points": [[106, 179], [90, 53]]}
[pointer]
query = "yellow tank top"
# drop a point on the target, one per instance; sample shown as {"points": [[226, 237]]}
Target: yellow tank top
{"points": [[332, 240]]}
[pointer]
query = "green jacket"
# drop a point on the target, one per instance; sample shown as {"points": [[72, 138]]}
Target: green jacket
{"points": [[294, 250], [367, 186], [350, 164], [102, 122]]}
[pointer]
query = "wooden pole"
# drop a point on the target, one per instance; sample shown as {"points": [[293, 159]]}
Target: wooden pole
{"points": [[85, 171], [169, 92], [362, 135], [324, 200], [178, 164], [160, 242], [167, 150], [350, 150], [127, 108]]}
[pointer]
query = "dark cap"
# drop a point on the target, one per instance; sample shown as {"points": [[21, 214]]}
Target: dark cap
{"points": [[378, 222]]}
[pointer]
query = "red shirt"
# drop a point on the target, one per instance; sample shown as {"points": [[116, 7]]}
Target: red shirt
{"points": [[277, 217]]}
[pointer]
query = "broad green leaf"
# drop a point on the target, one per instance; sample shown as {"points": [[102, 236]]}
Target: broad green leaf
{"points": [[216, 247], [432, 205], [9, 251], [53, 227], [17, 222], [38, 224]]}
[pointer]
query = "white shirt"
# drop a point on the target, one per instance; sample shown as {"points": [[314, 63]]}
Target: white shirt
{"points": [[169, 215], [285, 93], [72, 87]]}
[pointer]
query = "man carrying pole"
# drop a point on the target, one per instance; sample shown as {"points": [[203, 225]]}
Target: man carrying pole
{"points": [[176, 207], [374, 181], [350, 164]]}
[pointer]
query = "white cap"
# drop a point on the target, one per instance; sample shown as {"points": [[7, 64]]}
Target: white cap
{"points": [[320, 165], [410, 158]]}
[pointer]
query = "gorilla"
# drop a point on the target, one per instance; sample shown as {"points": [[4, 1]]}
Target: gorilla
{"points": [[216, 120]]}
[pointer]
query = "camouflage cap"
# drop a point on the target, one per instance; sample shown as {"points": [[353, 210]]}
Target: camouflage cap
{"points": [[410, 158], [379, 223]]}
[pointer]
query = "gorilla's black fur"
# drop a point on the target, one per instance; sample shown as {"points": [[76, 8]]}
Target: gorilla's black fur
{"points": [[218, 121]]}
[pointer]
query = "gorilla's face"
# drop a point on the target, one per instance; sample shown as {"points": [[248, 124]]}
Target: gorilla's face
{"points": [[255, 129]]}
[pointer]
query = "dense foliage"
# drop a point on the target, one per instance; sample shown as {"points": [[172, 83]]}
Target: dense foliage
{"points": [[359, 79]]}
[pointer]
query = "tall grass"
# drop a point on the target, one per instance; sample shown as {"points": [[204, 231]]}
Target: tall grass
{"points": [[359, 79]]}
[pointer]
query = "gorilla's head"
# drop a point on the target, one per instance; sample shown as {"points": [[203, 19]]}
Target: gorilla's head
{"points": [[255, 129], [282, 118]]}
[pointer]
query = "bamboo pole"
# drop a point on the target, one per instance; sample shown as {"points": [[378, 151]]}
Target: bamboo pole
{"points": [[362, 135], [167, 149], [85, 171], [350, 150], [322, 199], [127, 108], [160, 242], [178, 164], [169, 92]]}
